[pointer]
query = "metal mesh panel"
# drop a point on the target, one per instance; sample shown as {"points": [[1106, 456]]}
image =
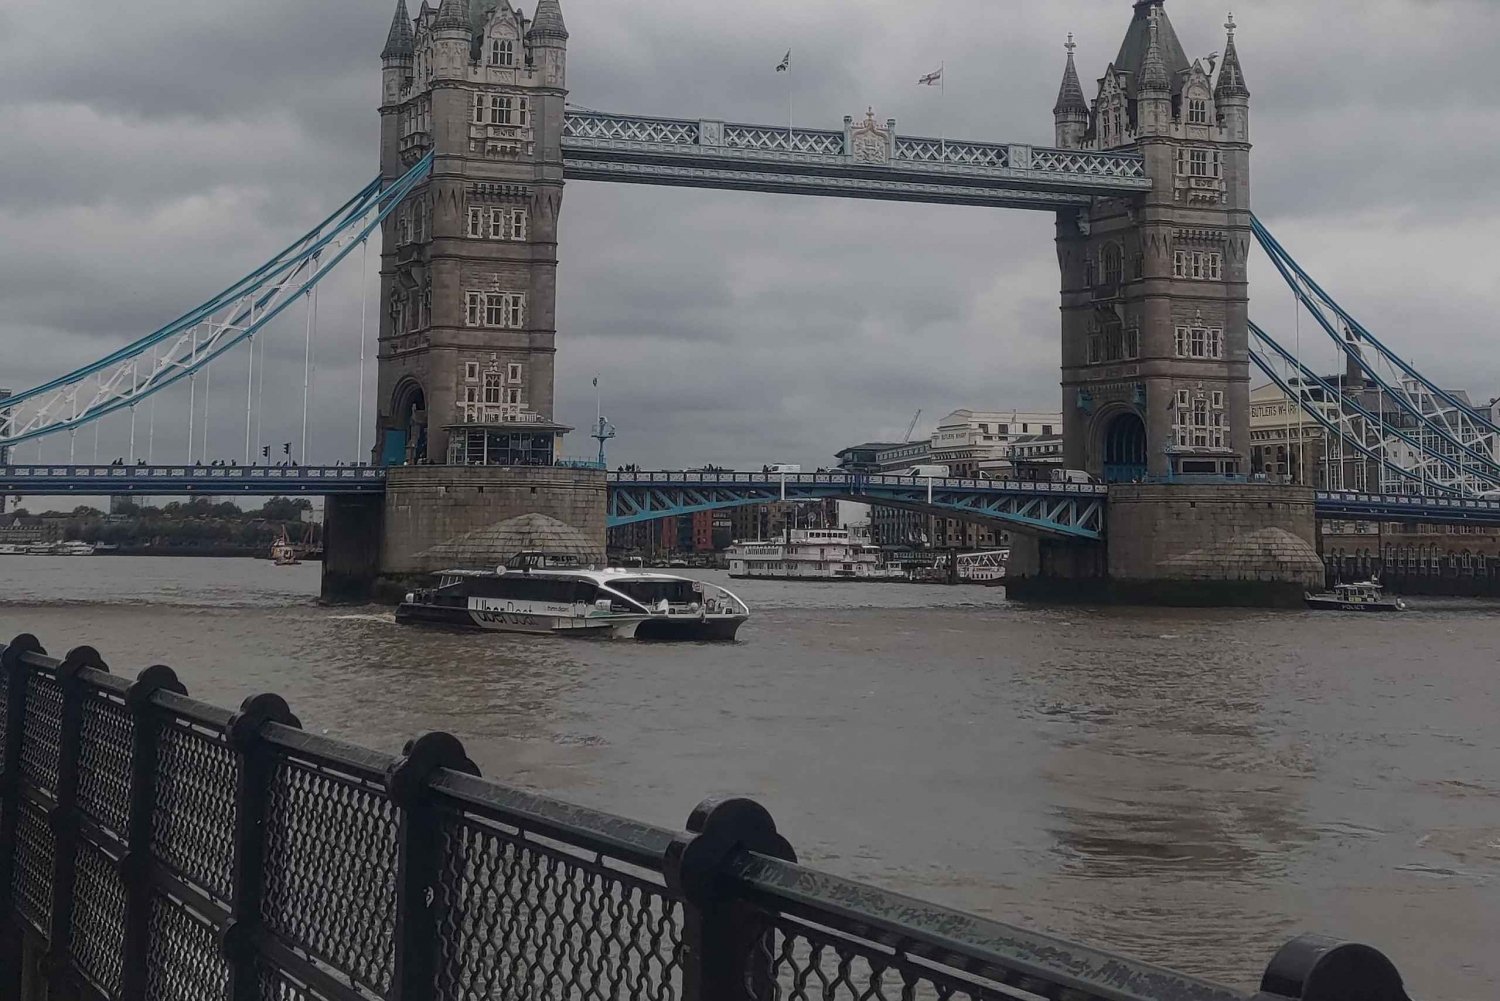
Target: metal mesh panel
{"points": [[1099, 164], [276, 986], [621, 128], [330, 870], [819, 143], [192, 820], [104, 762], [41, 732], [518, 919], [794, 962], [98, 918], [32, 879], [183, 961], [943, 151]]}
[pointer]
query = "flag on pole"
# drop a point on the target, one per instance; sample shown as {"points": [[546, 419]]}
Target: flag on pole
{"points": [[933, 79], [596, 380], [786, 62]]}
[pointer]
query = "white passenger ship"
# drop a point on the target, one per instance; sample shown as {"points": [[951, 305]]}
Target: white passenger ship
{"points": [[533, 595], [810, 554]]}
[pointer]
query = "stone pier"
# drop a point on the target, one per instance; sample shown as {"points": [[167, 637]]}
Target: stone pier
{"points": [[1185, 545], [435, 517]]}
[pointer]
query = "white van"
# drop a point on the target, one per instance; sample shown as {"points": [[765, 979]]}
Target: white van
{"points": [[1071, 476], [782, 467], [936, 472]]}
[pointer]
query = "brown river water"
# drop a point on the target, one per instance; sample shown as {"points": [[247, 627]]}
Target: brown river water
{"points": [[1189, 787]]}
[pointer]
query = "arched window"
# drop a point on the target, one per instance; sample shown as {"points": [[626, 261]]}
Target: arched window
{"points": [[502, 52], [1111, 264]]}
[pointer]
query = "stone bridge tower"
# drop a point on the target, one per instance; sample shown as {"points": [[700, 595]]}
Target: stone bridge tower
{"points": [[1155, 355], [469, 260]]}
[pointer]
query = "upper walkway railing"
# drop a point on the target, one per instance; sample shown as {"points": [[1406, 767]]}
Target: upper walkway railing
{"points": [[44, 480], [158, 847], [863, 160]]}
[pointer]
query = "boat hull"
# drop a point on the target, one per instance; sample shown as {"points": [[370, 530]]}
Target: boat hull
{"points": [[456, 617], [1327, 603], [720, 628]]}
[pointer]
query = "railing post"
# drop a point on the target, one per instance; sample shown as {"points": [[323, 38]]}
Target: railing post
{"points": [[135, 867], [1316, 968], [721, 933], [13, 676], [63, 818], [419, 855], [256, 762]]}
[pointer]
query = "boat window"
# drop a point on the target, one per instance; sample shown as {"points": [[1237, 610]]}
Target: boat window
{"points": [[651, 592], [534, 589]]}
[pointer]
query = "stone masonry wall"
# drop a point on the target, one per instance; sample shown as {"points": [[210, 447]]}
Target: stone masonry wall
{"points": [[428, 505]]}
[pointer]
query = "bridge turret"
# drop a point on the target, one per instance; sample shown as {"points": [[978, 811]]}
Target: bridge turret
{"points": [[452, 36], [395, 78], [1154, 97], [1230, 94], [1071, 112], [547, 41]]}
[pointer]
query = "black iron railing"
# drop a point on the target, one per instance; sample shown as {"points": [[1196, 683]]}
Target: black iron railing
{"points": [[154, 847]]}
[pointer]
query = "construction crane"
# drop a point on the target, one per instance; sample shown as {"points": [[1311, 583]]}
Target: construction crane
{"points": [[913, 425]]}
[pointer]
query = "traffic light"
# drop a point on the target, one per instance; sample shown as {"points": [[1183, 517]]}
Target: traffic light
{"points": [[265, 451], [286, 448]]}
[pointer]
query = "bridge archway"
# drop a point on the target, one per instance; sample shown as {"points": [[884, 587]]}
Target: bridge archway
{"points": [[406, 439], [1124, 447]]}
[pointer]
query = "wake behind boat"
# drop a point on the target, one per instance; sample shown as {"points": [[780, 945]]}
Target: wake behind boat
{"points": [[1364, 596], [530, 594]]}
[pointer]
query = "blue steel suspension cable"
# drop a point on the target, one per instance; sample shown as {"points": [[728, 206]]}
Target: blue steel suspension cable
{"points": [[390, 198], [1399, 396], [1273, 247], [289, 258], [1308, 376], [1330, 426]]}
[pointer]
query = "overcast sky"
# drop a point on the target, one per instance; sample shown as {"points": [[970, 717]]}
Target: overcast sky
{"points": [[155, 151]]}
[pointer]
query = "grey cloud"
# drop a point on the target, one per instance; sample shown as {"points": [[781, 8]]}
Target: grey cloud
{"points": [[150, 162]]}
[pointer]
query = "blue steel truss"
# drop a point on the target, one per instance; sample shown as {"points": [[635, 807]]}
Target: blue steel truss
{"points": [[1065, 510], [1407, 509], [863, 160]]}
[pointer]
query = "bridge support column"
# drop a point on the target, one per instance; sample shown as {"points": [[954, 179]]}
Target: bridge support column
{"points": [[1221, 544], [440, 517], [351, 546]]}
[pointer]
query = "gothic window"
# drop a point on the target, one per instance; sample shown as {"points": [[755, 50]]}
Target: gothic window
{"points": [[471, 371], [492, 389], [518, 224], [1199, 162], [513, 397], [478, 109], [475, 315], [1200, 342], [1111, 264], [502, 110], [523, 115], [476, 223], [1197, 111], [497, 224], [502, 52], [515, 310], [494, 310], [513, 372]]}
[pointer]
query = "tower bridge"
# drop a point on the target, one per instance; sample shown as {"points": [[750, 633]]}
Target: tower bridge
{"points": [[1147, 176]]}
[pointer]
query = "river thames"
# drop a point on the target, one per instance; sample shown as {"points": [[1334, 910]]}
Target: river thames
{"points": [[1192, 788]]}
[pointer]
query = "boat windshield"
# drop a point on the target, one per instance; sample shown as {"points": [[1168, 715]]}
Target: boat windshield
{"points": [[652, 592]]}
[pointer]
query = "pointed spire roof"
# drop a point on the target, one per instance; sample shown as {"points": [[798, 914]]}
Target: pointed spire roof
{"points": [[399, 42], [1070, 99], [1132, 57], [452, 14], [548, 20], [1154, 76], [1231, 76]]}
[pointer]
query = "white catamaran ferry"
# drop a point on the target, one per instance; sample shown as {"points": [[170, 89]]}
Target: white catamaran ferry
{"points": [[810, 554], [531, 595]]}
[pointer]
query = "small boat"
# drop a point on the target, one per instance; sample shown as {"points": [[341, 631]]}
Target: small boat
{"points": [[1363, 596], [532, 593], [284, 553]]}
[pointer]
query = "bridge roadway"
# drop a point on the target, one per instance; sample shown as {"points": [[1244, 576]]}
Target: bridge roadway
{"points": [[1068, 510]]}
